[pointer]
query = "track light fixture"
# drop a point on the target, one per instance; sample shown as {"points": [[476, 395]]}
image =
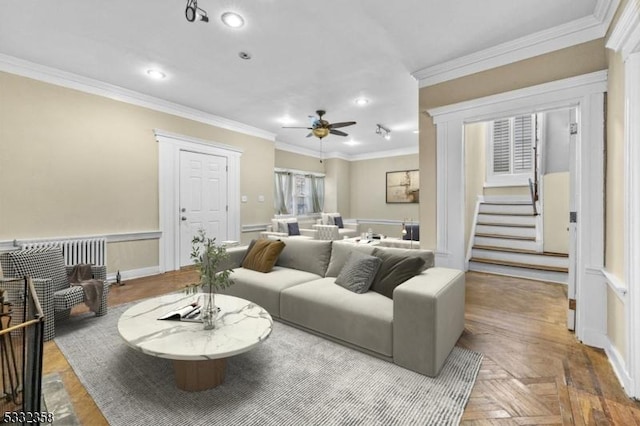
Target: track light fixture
{"points": [[193, 12], [383, 131]]}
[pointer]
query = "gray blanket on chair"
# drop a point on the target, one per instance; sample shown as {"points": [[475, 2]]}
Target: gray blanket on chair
{"points": [[82, 275]]}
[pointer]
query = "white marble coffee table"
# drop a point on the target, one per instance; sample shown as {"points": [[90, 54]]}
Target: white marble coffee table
{"points": [[199, 356]]}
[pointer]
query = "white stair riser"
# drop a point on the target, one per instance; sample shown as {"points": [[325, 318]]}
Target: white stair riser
{"points": [[506, 208], [509, 220], [505, 243], [506, 230], [533, 274], [525, 258]]}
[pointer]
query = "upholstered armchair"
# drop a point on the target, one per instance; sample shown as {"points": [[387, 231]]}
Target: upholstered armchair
{"points": [[348, 230], [283, 227], [50, 278]]}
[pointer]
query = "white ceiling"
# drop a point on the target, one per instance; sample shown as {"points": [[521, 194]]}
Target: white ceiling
{"points": [[305, 55]]}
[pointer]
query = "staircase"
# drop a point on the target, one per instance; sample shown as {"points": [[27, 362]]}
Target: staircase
{"points": [[505, 243]]}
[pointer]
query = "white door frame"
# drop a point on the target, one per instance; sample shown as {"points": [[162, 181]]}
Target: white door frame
{"points": [[625, 39], [169, 147], [585, 92]]}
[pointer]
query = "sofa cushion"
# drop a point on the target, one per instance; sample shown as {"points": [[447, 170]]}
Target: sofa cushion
{"points": [[306, 255], [264, 289], [359, 271], [293, 228], [364, 320], [395, 270], [340, 252], [427, 255], [263, 255], [337, 220]]}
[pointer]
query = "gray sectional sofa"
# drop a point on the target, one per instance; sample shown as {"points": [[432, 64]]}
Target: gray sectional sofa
{"points": [[417, 329]]}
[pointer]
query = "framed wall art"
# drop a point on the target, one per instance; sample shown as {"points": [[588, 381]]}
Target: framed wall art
{"points": [[403, 186]]}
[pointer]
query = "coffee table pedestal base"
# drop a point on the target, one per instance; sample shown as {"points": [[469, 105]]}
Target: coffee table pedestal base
{"points": [[194, 376]]}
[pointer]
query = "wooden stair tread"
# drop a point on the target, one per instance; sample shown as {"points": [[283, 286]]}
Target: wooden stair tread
{"points": [[506, 237], [510, 225], [506, 214], [520, 265], [517, 250]]}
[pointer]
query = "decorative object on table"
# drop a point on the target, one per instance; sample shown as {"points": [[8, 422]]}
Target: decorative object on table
{"points": [[403, 186], [119, 278], [209, 259], [410, 232]]}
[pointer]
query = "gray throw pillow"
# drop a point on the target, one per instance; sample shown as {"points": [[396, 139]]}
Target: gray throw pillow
{"points": [[394, 271], [358, 273]]}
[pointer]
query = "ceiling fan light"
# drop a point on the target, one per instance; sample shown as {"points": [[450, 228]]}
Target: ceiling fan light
{"points": [[361, 101], [320, 132], [232, 19]]}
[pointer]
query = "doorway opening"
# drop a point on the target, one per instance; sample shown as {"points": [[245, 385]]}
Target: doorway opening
{"points": [[199, 187]]}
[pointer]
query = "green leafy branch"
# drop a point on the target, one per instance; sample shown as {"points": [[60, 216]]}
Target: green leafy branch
{"points": [[209, 258]]}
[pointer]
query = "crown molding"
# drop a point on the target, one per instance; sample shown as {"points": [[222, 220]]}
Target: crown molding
{"points": [[562, 36], [625, 37], [338, 155], [595, 82], [69, 80]]}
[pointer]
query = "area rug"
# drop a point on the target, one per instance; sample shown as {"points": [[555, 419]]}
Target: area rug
{"points": [[294, 378]]}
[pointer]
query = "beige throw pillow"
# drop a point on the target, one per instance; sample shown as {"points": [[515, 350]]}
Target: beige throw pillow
{"points": [[263, 255]]}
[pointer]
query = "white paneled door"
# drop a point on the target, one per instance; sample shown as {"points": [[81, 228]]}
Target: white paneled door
{"points": [[203, 199]]}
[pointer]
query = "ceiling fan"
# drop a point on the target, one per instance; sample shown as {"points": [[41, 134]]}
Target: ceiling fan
{"points": [[321, 128]]}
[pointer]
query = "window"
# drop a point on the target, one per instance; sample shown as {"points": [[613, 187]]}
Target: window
{"points": [[510, 151], [298, 193]]}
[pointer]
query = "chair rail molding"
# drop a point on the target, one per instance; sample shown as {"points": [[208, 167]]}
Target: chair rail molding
{"points": [[586, 93], [170, 146], [625, 39]]}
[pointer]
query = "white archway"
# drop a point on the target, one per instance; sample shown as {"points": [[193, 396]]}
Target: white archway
{"points": [[586, 93]]}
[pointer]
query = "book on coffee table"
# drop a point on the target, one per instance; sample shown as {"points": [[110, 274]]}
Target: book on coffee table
{"points": [[187, 313]]}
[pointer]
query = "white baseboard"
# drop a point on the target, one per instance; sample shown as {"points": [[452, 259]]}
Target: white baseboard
{"points": [[619, 368], [134, 273]]}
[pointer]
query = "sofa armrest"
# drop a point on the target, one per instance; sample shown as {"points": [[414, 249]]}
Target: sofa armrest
{"points": [[352, 226], [236, 254], [428, 319], [309, 233]]}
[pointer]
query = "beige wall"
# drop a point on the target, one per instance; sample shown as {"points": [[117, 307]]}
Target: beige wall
{"points": [[576, 60], [368, 193], [337, 196], [290, 160], [614, 259], [555, 214], [614, 196], [475, 136], [83, 164]]}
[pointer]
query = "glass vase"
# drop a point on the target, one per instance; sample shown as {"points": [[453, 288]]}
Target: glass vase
{"points": [[209, 311]]}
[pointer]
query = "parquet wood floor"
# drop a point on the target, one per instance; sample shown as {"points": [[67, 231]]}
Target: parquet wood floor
{"points": [[534, 371]]}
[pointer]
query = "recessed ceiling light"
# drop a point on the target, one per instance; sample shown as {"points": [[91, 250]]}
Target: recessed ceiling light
{"points": [[156, 74], [351, 142], [416, 131], [244, 55], [286, 120], [232, 19], [361, 101]]}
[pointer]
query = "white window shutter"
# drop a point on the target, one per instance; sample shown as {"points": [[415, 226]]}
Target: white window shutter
{"points": [[501, 146], [522, 144]]}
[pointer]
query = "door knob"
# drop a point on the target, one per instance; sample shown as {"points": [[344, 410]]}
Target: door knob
{"points": [[183, 218]]}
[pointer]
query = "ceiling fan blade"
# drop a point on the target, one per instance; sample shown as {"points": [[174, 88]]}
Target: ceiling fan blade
{"points": [[343, 124], [338, 132], [310, 134]]}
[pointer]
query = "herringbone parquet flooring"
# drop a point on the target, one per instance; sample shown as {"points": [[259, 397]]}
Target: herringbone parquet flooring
{"points": [[534, 371]]}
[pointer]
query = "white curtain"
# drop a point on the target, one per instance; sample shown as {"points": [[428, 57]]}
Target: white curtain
{"points": [[283, 192], [317, 193]]}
